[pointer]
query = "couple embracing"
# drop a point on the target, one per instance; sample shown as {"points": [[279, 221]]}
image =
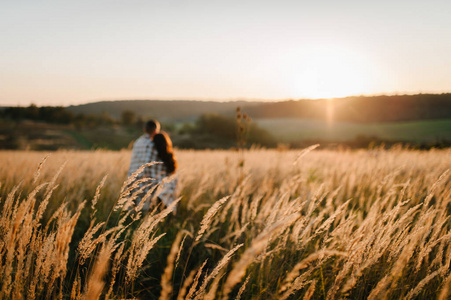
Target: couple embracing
{"points": [[155, 146]]}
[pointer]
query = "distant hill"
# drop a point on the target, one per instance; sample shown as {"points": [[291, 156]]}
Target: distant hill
{"points": [[360, 109], [423, 120], [164, 110]]}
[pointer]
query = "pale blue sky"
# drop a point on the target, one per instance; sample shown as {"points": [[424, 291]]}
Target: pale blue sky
{"points": [[69, 52]]}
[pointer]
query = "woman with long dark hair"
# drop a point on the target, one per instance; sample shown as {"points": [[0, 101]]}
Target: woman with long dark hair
{"points": [[163, 145]]}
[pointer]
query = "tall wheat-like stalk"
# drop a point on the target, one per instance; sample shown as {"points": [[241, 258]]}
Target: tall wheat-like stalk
{"points": [[305, 224], [96, 280], [166, 285]]}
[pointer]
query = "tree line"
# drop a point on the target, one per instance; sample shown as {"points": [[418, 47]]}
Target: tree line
{"points": [[208, 131], [61, 115], [218, 131], [360, 109]]}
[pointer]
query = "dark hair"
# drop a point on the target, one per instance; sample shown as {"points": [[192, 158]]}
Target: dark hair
{"points": [[163, 144], [151, 126]]}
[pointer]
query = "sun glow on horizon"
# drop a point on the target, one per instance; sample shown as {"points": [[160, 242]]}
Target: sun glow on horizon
{"points": [[330, 113], [332, 72]]}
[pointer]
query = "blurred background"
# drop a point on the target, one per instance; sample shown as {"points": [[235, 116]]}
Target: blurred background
{"points": [[87, 74], [420, 121]]}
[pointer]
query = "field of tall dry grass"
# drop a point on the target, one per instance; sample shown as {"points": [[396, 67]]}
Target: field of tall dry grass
{"points": [[305, 224]]}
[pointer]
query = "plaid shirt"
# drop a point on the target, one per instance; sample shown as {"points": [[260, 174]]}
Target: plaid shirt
{"points": [[144, 152]]}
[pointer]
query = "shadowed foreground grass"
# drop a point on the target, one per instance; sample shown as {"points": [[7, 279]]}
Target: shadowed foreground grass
{"points": [[286, 225]]}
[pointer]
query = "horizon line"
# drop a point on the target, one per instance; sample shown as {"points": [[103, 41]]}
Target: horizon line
{"points": [[237, 99]]}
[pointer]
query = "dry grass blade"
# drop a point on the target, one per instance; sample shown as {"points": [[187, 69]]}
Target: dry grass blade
{"points": [[96, 280], [304, 264], [208, 217], [242, 288], [137, 256], [415, 291], [186, 283], [444, 293], [97, 196], [257, 246], [383, 286], [309, 294], [166, 286], [192, 290], [211, 295], [142, 243], [222, 263], [187, 233], [37, 173], [304, 152], [87, 245], [75, 293]]}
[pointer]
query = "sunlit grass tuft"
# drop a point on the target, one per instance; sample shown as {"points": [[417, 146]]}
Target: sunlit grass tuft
{"points": [[288, 224]]}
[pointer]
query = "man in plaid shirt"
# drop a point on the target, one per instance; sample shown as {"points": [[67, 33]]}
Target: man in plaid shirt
{"points": [[144, 152]]}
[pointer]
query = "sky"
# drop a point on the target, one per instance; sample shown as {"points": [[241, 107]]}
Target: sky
{"points": [[73, 52]]}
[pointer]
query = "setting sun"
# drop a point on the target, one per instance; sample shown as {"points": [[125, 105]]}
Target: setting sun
{"points": [[332, 72], [209, 50]]}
